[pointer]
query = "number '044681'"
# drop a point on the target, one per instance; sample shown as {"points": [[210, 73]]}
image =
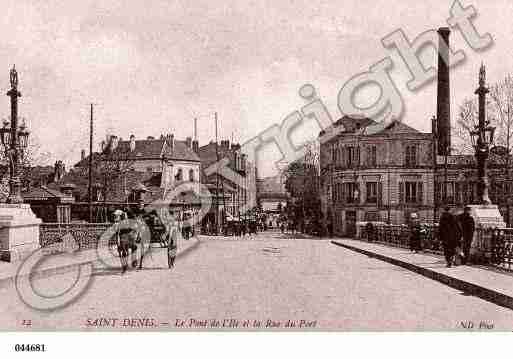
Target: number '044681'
{"points": [[29, 347]]}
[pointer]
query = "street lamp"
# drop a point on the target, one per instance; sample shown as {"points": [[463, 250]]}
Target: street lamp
{"points": [[14, 138], [22, 134], [482, 138]]}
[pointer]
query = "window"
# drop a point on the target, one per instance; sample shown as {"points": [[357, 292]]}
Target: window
{"points": [[191, 175], [450, 192], [371, 156], [372, 192], [350, 192], [179, 175], [411, 192], [63, 214], [351, 156], [458, 198], [372, 216], [411, 156]]}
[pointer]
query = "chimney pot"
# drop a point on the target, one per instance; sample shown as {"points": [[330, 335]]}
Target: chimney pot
{"points": [[132, 143], [171, 141], [113, 142], [82, 155]]}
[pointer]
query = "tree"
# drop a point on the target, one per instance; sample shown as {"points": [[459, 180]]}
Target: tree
{"points": [[499, 107], [111, 166], [302, 181], [30, 157], [466, 122], [501, 95]]}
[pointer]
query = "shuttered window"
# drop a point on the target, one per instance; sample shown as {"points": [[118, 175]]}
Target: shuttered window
{"points": [[371, 192], [411, 192]]}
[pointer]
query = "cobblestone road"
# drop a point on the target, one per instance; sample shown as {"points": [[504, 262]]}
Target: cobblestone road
{"points": [[310, 282]]}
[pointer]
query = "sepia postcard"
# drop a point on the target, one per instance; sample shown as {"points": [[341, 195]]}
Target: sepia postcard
{"points": [[256, 166]]}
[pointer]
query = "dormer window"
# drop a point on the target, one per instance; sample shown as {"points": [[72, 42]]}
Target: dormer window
{"points": [[179, 175]]}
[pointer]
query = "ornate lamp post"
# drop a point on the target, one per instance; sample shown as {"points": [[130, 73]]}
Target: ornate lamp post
{"points": [[482, 138], [19, 236], [15, 141]]}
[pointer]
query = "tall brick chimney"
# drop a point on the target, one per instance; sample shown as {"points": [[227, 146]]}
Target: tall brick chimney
{"points": [[443, 100]]}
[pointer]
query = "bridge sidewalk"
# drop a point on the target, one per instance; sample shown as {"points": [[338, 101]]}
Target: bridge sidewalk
{"points": [[493, 285], [52, 264]]}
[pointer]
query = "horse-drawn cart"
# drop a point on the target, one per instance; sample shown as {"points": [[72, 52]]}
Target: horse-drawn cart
{"points": [[164, 235]]}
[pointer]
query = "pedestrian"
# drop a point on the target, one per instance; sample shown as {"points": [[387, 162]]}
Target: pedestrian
{"points": [[414, 225], [449, 233], [122, 240], [468, 227], [173, 229], [243, 228]]}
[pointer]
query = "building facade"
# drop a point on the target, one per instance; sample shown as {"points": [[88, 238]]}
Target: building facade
{"points": [[372, 172], [231, 198]]}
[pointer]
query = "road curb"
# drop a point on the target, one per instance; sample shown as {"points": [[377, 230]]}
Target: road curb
{"points": [[48, 272], [487, 294]]}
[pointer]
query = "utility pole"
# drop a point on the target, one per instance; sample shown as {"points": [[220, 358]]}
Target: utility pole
{"points": [[90, 192], [445, 179], [389, 163], [217, 179], [222, 185]]}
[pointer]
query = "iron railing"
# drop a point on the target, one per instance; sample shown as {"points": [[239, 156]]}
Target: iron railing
{"points": [[491, 246], [75, 235], [497, 244], [399, 236]]}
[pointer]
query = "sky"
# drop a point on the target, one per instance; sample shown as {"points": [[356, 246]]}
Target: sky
{"points": [[151, 67]]}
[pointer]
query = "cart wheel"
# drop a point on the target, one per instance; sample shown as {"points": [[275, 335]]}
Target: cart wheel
{"points": [[164, 240]]}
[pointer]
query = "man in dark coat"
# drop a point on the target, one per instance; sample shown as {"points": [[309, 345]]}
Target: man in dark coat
{"points": [[449, 233], [467, 227], [414, 225]]}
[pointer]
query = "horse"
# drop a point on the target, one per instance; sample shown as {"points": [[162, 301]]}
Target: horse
{"points": [[131, 235]]}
